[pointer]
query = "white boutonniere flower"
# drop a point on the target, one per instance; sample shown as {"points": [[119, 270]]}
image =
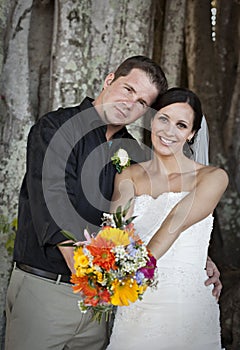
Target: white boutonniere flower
{"points": [[121, 159]]}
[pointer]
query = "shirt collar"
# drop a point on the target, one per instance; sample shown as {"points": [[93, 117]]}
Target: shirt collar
{"points": [[94, 120]]}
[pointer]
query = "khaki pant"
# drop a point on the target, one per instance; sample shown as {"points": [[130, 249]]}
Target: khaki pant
{"points": [[44, 315]]}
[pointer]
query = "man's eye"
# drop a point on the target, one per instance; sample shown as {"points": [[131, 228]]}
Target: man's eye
{"points": [[142, 103], [127, 88]]}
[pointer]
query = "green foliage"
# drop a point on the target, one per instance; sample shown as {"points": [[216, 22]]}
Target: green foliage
{"points": [[8, 228], [120, 214]]}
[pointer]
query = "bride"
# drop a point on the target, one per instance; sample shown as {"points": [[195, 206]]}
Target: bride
{"points": [[174, 198]]}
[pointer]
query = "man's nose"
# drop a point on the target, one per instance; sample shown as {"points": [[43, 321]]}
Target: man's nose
{"points": [[129, 103]]}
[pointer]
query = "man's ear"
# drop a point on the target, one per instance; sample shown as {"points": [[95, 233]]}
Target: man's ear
{"points": [[108, 80]]}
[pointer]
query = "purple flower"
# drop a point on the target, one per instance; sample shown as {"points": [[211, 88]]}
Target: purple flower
{"points": [[139, 277], [132, 249], [149, 269]]}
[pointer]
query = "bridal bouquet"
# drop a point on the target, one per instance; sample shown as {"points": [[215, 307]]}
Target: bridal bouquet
{"points": [[113, 268]]}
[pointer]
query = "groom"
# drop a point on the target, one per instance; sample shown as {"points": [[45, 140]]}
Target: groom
{"points": [[67, 185]]}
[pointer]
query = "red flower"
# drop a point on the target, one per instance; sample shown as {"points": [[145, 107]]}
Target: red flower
{"points": [[93, 301], [104, 295]]}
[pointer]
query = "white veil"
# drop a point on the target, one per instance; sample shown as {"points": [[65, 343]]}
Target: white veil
{"points": [[199, 150]]}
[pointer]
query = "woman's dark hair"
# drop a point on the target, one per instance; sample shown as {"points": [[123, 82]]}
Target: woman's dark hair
{"points": [[176, 95], [151, 68]]}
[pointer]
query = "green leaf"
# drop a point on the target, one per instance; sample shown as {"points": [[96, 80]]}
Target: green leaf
{"points": [[69, 235], [70, 244], [119, 168], [126, 208], [128, 221], [118, 217]]}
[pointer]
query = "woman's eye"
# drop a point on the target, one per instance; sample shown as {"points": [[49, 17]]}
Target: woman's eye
{"points": [[127, 88], [182, 126], [162, 118]]}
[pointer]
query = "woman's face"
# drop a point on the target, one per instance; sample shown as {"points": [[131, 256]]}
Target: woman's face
{"points": [[172, 127]]}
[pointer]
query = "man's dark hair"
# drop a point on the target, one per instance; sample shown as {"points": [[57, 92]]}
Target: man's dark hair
{"points": [[151, 68]]}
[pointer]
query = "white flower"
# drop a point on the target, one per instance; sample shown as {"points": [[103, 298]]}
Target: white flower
{"points": [[108, 220], [123, 156], [121, 159]]}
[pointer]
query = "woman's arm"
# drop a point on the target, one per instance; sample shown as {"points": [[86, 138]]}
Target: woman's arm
{"points": [[123, 190], [197, 205]]}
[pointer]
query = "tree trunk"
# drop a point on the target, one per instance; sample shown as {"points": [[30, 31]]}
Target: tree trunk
{"points": [[15, 122], [91, 39], [213, 74], [173, 40], [55, 54], [201, 67], [15, 105]]}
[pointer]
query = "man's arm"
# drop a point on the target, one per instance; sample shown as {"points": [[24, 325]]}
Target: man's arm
{"points": [[67, 253], [214, 277]]}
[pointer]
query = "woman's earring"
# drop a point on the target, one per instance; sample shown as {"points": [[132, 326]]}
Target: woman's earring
{"points": [[190, 141]]}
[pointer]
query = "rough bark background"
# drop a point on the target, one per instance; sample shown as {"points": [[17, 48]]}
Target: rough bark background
{"points": [[53, 53], [15, 119], [172, 41], [90, 39]]}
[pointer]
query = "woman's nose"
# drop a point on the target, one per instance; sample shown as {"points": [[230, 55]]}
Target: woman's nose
{"points": [[169, 129]]}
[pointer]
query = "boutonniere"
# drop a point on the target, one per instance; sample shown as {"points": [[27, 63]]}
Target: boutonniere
{"points": [[121, 159]]}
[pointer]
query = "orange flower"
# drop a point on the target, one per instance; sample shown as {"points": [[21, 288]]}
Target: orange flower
{"points": [[102, 257], [102, 242], [78, 282], [82, 284]]}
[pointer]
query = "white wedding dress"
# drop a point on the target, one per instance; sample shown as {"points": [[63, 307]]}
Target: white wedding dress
{"points": [[181, 314]]}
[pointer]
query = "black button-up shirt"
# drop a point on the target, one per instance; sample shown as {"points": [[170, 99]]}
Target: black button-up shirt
{"points": [[68, 182]]}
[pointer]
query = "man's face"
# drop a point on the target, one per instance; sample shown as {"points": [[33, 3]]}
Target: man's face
{"points": [[126, 99]]}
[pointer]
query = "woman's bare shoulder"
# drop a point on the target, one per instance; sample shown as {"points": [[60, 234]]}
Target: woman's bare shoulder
{"points": [[135, 169], [213, 174]]}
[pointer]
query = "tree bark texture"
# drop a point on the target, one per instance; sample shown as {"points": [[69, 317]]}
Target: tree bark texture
{"points": [[54, 54], [213, 72], [90, 39], [15, 122], [173, 39]]}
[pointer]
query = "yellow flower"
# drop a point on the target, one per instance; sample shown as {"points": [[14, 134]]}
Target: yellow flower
{"points": [[90, 270], [124, 291], [99, 276], [141, 289], [80, 258], [80, 271], [116, 235]]}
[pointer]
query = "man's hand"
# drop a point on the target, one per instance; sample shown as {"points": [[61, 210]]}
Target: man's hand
{"points": [[67, 253], [213, 274]]}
